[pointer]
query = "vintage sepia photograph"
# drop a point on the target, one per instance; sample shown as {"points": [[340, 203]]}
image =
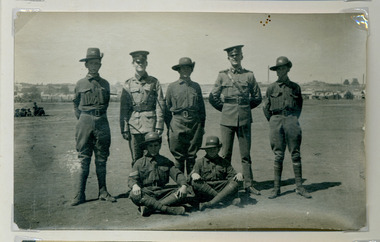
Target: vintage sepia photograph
{"points": [[190, 121]]}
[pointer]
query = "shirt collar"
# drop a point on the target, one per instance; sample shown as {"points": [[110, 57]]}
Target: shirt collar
{"points": [[237, 70], [142, 77], [283, 82], [188, 80], [92, 77]]}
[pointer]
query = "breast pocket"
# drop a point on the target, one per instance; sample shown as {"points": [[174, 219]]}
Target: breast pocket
{"points": [[276, 100], [136, 94], [163, 173], [87, 97]]}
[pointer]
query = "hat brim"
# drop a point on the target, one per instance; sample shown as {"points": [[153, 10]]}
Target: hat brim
{"points": [[210, 146], [177, 67], [143, 144], [273, 68], [91, 58]]}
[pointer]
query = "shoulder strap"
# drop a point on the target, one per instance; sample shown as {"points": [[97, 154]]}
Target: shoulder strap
{"points": [[235, 83]]}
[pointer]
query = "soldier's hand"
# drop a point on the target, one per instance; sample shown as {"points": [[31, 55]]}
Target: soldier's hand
{"points": [[126, 135], [136, 190], [159, 131], [195, 176], [238, 177], [182, 192]]}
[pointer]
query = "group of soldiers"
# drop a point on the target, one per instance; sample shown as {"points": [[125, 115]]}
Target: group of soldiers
{"points": [[144, 111]]}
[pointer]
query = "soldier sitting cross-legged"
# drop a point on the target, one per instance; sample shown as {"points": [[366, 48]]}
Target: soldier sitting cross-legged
{"points": [[213, 178], [149, 178]]}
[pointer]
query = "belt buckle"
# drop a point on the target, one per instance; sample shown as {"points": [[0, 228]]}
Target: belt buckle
{"points": [[285, 112], [97, 112], [185, 113]]}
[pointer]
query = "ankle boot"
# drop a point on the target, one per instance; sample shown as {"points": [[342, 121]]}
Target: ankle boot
{"points": [[230, 188], [101, 174], [300, 190], [277, 180], [156, 205], [81, 179]]}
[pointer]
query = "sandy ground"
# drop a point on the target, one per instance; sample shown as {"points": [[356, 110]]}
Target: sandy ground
{"points": [[333, 168]]}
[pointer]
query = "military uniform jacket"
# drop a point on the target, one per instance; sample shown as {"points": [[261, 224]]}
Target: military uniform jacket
{"points": [[184, 95], [91, 93], [142, 105], [235, 101], [283, 96], [154, 171], [214, 169]]}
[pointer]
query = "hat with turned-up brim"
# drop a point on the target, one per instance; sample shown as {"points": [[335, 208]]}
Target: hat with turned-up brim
{"points": [[184, 61], [234, 49], [281, 61], [92, 53], [211, 142], [149, 138], [139, 55]]}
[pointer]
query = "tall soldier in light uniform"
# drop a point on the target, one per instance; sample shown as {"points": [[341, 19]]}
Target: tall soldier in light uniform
{"points": [[282, 109], [235, 93], [186, 116], [92, 95], [142, 105]]}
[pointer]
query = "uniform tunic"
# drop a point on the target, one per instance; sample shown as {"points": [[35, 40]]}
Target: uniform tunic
{"points": [[92, 95], [282, 109], [142, 105], [235, 101], [187, 117], [152, 174], [216, 172]]}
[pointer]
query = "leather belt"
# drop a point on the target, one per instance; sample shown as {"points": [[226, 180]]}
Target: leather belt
{"points": [[186, 113], [283, 112], [142, 108], [95, 112], [238, 100]]}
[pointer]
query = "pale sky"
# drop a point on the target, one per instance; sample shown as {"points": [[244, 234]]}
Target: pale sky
{"points": [[324, 47]]}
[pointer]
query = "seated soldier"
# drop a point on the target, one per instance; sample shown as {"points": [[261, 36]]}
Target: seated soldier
{"points": [[149, 177], [213, 178]]}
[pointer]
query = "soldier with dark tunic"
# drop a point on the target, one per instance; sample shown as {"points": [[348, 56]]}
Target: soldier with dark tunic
{"points": [[142, 105], [235, 94], [92, 95], [213, 178], [149, 178], [282, 109], [186, 116]]}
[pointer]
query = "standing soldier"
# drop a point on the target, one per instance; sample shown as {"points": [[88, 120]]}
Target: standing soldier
{"points": [[141, 106], [282, 109], [235, 93], [92, 95], [186, 117]]}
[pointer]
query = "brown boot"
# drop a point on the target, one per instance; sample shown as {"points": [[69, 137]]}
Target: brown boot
{"points": [[229, 189], [153, 204], [300, 190], [81, 180], [277, 180], [101, 174]]}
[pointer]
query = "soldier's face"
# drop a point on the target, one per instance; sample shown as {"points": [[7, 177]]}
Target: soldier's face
{"points": [[185, 71], [282, 71], [93, 66], [212, 152], [153, 148], [140, 65], [235, 58]]}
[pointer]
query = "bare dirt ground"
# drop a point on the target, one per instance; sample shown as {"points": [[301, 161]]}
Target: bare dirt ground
{"points": [[333, 169]]}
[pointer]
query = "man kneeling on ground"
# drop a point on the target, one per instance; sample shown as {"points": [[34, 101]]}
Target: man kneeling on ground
{"points": [[213, 178], [149, 177]]}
